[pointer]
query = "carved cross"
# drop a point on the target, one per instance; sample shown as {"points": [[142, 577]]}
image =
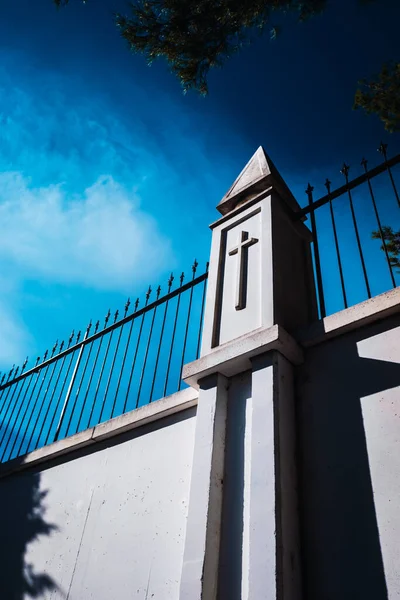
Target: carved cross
{"points": [[242, 251]]}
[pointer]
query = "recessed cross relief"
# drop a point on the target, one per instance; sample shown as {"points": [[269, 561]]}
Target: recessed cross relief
{"points": [[242, 267]]}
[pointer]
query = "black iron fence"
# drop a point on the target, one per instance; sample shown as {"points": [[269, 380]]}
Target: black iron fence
{"points": [[356, 240], [115, 367]]}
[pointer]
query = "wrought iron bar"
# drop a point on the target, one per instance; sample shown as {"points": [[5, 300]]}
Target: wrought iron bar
{"points": [[383, 150], [14, 409], [46, 370], [58, 428], [364, 162], [328, 187], [170, 281], [22, 421], [136, 350], [345, 171], [147, 349], [127, 305], [194, 268], [309, 192], [203, 301], [81, 380], [173, 334], [102, 369]]}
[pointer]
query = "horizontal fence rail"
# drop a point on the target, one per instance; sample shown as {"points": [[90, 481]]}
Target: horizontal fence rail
{"points": [[110, 370], [356, 239]]}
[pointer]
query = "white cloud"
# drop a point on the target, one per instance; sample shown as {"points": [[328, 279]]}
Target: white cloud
{"points": [[100, 239]]}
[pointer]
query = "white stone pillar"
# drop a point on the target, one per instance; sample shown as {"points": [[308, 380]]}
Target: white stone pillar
{"points": [[260, 290]]}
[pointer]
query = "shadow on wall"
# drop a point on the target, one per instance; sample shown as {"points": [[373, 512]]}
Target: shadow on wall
{"points": [[341, 541], [22, 520]]}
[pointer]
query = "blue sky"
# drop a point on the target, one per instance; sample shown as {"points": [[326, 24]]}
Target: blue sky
{"points": [[109, 175]]}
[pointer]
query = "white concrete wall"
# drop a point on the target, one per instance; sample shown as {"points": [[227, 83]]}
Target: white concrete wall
{"points": [[349, 424], [106, 523]]}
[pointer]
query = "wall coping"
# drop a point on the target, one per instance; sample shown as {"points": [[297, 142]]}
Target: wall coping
{"points": [[133, 419], [349, 319]]}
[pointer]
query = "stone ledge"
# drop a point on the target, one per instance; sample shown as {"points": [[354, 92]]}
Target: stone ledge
{"points": [[234, 357], [347, 320], [135, 418]]}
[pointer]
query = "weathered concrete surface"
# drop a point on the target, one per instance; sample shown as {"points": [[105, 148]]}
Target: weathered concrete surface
{"points": [[349, 424], [104, 523]]}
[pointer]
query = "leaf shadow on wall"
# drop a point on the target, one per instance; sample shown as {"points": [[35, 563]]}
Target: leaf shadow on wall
{"points": [[341, 540], [22, 521]]}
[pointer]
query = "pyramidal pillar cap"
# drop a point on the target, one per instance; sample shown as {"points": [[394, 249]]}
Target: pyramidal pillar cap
{"points": [[259, 175]]}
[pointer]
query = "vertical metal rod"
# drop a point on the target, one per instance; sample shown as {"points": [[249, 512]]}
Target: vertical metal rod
{"points": [[9, 390], [15, 421], [345, 171], [49, 403], [93, 369], [170, 281], [7, 427], [364, 162], [113, 362], [173, 335], [5, 388], [136, 351], [22, 419], [309, 192], [194, 268], [339, 260], [33, 410], [203, 302], [147, 348], [80, 384], [14, 388], [101, 374], [124, 358], [383, 150], [70, 386], [53, 394]]}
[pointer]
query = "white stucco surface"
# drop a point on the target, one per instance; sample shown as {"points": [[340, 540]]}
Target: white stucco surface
{"points": [[119, 516]]}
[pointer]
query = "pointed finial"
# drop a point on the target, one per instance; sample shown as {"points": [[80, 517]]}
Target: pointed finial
{"points": [[148, 294], [328, 185], [345, 170], [88, 328], [37, 361], [127, 305], [24, 365], [158, 292], [54, 348], [16, 372], [309, 189], [194, 267], [78, 337], [136, 304], [62, 346], [181, 278], [383, 149], [116, 315], [10, 372], [96, 327], [108, 315], [71, 337], [170, 281], [45, 355]]}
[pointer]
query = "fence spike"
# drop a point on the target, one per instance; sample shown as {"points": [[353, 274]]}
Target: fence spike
{"points": [[170, 281], [309, 189], [25, 363], [78, 337], [364, 163], [328, 185], [181, 278], [54, 348], [108, 315], [16, 372], [148, 294], [71, 337], [136, 304], [45, 355], [88, 328], [61, 345], [194, 266], [127, 305], [345, 170], [383, 150], [37, 361], [116, 315], [96, 326]]}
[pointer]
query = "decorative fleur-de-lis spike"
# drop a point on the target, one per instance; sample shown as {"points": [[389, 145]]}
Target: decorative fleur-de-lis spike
{"points": [[136, 304], [364, 163], [88, 328], [170, 281], [96, 327], [108, 315], [194, 266], [116, 316], [37, 361], [148, 294], [181, 278], [61, 346], [78, 337], [16, 372], [309, 189], [71, 337], [24, 365], [345, 170], [45, 355], [127, 305], [54, 348], [10, 372], [328, 185], [158, 292], [383, 149]]}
